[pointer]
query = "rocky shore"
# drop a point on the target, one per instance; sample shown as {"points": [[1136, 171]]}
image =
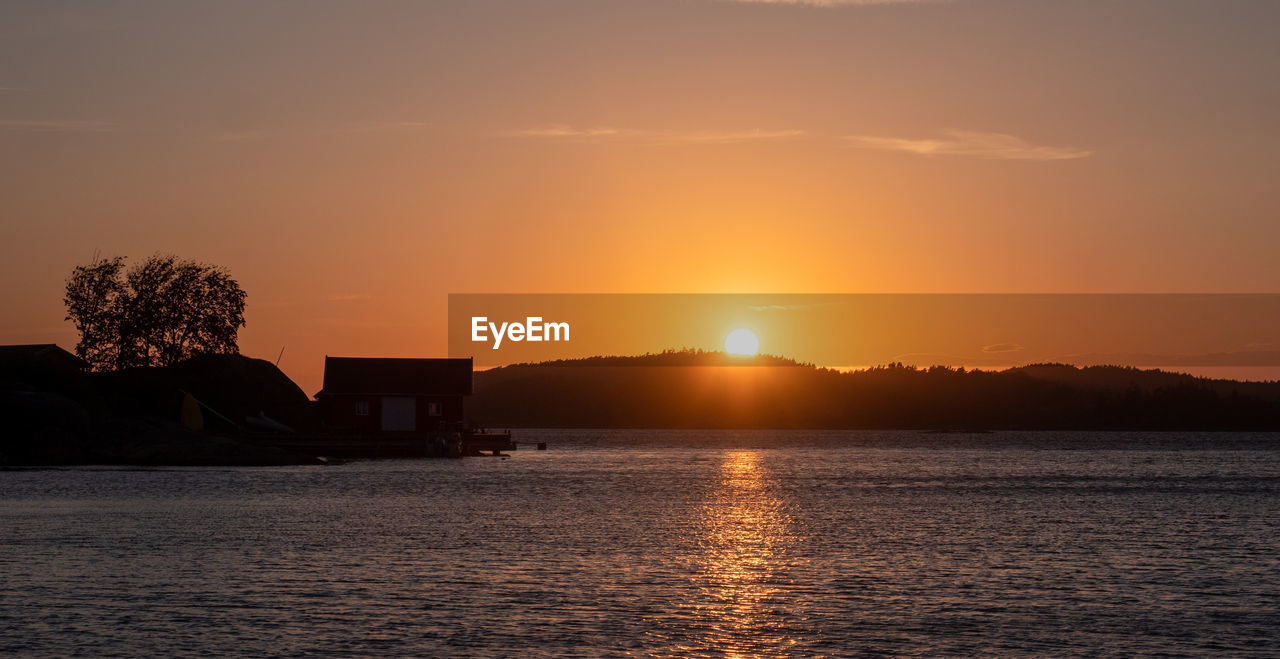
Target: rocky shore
{"points": [[137, 416]]}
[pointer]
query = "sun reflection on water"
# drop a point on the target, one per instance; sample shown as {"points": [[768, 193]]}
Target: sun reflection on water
{"points": [[743, 548]]}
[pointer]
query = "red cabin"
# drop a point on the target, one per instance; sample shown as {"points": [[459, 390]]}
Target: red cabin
{"points": [[396, 396]]}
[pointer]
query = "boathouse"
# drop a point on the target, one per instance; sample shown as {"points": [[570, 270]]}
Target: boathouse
{"points": [[393, 396], [42, 364]]}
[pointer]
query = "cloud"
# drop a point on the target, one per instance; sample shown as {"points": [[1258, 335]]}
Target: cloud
{"points": [[996, 348], [38, 330], [955, 143], [368, 127], [388, 125], [938, 359], [792, 307], [55, 125], [357, 323], [1239, 358], [708, 137], [778, 307], [238, 135], [997, 146], [839, 3], [561, 131]]}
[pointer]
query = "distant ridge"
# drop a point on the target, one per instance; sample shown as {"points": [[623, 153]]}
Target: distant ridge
{"points": [[686, 357], [619, 391]]}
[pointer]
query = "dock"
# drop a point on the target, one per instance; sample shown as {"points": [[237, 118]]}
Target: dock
{"points": [[373, 446], [477, 442]]}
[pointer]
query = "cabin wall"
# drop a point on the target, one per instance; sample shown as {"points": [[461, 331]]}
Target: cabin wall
{"points": [[339, 413], [450, 410]]}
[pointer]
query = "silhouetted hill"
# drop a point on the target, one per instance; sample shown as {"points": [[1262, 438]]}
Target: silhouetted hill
{"points": [[133, 416], [693, 389], [234, 385], [673, 358]]}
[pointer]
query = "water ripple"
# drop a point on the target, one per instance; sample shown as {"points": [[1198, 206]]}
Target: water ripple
{"points": [[638, 543]]}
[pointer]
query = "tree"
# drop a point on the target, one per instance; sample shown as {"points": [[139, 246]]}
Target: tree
{"points": [[93, 302], [157, 313]]}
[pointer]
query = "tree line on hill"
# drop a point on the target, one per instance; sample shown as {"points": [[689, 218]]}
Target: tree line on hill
{"points": [[695, 389]]}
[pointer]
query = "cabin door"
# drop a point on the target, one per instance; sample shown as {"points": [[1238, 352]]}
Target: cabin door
{"points": [[399, 413]]}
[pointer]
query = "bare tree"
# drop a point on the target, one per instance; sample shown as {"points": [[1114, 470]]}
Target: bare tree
{"points": [[157, 313]]}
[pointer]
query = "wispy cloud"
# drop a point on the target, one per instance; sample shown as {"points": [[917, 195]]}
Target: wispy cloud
{"points": [[372, 126], [55, 125], [938, 359], [793, 307], [998, 146], [997, 348], [1234, 358], [320, 301], [841, 3], [711, 136], [359, 323], [778, 307], [272, 132], [560, 131], [37, 330], [238, 135]]}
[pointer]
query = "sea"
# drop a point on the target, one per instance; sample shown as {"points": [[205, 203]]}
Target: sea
{"points": [[667, 543]]}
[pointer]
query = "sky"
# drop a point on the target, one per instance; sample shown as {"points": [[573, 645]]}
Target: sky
{"points": [[352, 164]]}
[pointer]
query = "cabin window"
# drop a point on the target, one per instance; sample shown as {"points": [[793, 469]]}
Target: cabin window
{"points": [[435, 409], [362, 408]]}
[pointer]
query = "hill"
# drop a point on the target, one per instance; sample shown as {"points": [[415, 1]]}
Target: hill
{"points": [[132, 416], [695, 389]]}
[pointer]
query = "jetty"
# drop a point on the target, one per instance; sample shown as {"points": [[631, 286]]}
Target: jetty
{"points": [[381, 446]]}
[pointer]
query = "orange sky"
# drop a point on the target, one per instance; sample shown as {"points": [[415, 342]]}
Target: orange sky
{"points": [[354, 163], [989, 331]]}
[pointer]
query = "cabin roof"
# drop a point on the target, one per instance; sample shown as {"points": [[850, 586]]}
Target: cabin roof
{"points": [[396, 376], [19, 356]]}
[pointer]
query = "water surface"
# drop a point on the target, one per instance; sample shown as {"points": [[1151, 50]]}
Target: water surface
{"points": [[665, 543]]}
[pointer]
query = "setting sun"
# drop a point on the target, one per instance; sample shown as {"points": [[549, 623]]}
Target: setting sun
{"points": [[741, 342]]}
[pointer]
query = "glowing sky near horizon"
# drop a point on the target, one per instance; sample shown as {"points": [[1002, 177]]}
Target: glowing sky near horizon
{"points": [[353, 163]]}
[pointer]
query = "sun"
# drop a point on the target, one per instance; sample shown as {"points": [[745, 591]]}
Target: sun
{"points": [[741, 342]]}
